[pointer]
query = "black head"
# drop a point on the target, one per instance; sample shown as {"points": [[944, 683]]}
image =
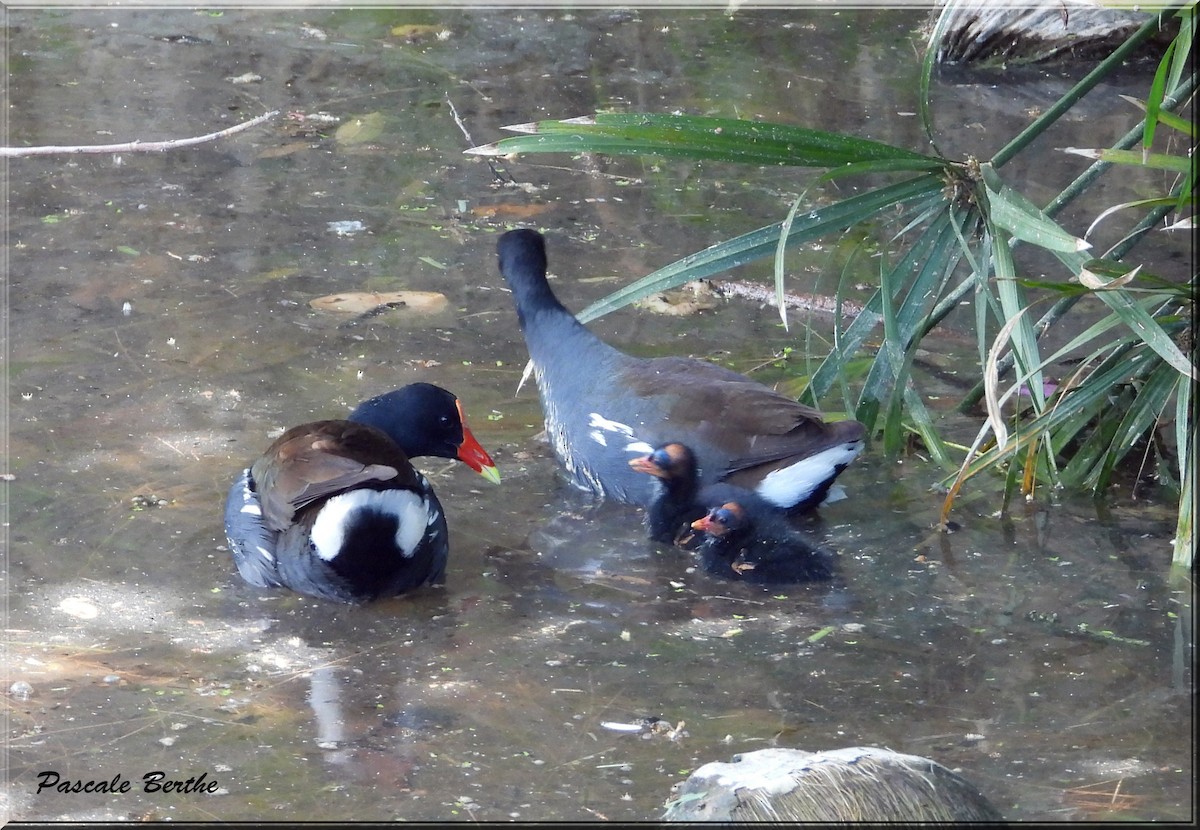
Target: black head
{"points": [[424, 419], [522, 253], [421, 418]]}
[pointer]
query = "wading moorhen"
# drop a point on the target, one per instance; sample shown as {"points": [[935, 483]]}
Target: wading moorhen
{"points": [[603, 407], [335, 509]]}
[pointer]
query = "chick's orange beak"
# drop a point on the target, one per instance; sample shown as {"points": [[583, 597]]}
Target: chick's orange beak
{"points": [[645, 465], [472, 454], [709, 525]]}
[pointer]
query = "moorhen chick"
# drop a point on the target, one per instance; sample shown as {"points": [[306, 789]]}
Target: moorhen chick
{"points": [[603, 406], [679, 499], [744, 543], [336, 510]]}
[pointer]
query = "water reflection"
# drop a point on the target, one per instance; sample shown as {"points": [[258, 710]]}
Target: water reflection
{"points": [[324, 696]]}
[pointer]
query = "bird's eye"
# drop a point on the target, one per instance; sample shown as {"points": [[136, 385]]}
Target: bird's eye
{"points": [[659, 458]]}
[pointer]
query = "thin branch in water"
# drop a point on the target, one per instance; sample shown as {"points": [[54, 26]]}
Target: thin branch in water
{"points": [[499, 175], [134, 146], [459, 121]]}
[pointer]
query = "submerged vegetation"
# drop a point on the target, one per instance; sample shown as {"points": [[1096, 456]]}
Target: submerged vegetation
{"points": [[1119, 393]]}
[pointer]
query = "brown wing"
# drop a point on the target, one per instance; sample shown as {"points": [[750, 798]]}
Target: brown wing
{"points": [[320, 459], [750, 422]]}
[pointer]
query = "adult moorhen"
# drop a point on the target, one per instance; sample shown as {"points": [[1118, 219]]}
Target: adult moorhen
{"points": [[335, 509], [740, 542], [679, 499], [603, 406]]}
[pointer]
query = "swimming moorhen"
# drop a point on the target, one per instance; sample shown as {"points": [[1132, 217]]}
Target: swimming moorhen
{"points": [[679, 499], [603, 406], [335, 509], [751, 545]]}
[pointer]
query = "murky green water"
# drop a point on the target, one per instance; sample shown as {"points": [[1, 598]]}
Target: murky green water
{"points": [[158, 308]]}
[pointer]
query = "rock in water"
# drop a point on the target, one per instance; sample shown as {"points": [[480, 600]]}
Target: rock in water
{"points": [[987, 33], [852, 784]]}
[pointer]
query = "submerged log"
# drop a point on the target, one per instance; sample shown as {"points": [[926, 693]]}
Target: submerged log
{"points": [[986, 33], [853, 784]]}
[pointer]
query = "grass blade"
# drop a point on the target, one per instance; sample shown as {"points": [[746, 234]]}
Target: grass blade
{"points": [[780, 253], [720, 139], [1185, 443], [1012, 212], [1147, 329]]}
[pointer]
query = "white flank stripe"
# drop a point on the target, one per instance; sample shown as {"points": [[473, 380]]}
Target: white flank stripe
{"points": [[598, 420], [595, 419], [250, 505]]}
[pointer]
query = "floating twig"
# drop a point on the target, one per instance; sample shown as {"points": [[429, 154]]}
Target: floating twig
{"points": [[134, 146]]}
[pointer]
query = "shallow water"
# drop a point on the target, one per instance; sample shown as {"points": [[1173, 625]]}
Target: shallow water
{"points": [[161, 331]]}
